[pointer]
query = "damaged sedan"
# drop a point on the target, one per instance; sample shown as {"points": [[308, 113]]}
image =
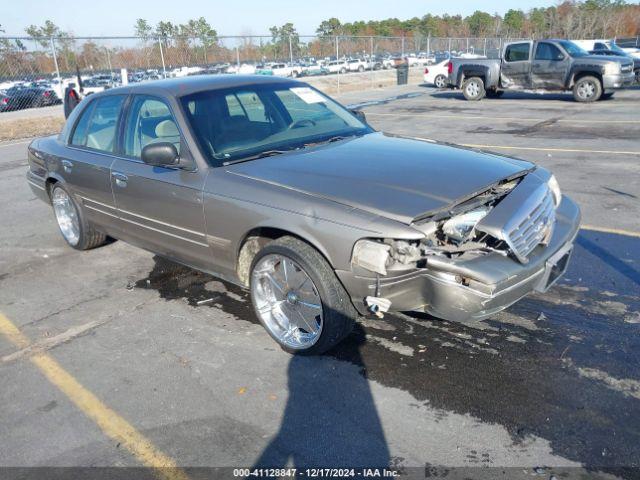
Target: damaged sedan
{"points": [[271, 185]]}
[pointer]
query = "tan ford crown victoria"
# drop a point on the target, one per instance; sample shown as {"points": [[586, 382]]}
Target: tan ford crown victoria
{"points": [[271, 185]]}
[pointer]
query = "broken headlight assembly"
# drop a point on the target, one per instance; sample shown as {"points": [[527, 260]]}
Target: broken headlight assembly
{"points": [[461, 227], [554, 186], [371, 255]]}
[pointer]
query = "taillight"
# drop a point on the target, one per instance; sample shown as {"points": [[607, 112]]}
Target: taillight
{"points": [[426, 70], [5, 100], [46, 94], [449, 68]]}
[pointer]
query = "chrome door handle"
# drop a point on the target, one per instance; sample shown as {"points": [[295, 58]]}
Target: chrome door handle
{"points": [[120, 178], [67, 166]]}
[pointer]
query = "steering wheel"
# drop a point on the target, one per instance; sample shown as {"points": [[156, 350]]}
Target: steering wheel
{"points": [[302, 123]]}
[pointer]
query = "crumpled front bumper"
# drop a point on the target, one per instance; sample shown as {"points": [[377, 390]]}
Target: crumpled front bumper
{"points": [[473, 288]]}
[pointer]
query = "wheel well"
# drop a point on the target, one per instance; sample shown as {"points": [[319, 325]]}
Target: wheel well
{"points": [[253, 242], [473, 73], [49, 183], [580, 75]]}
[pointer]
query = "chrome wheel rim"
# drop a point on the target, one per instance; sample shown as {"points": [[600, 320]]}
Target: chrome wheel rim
{"points": [[66, 215], [287, 301], [440, 81], [473, 89], [586, 90]]}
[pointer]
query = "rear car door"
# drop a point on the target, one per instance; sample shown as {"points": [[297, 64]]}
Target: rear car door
{"points": [[89, 154], [515, 69], [160, 208], [549, 67]]}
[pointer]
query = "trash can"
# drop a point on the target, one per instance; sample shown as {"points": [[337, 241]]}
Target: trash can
{"points": [[402, 71]]}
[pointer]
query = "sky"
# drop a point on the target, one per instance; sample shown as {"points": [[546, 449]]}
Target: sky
{"points": [[117, 17]]}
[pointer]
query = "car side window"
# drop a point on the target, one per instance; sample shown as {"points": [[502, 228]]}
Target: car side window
{"points": [[150, 121], [548, 51], [518, 52], [97, 126], [600, 46]]}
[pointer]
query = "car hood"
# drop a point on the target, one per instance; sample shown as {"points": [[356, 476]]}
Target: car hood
{"points": [[601, 60], [398, 178]]}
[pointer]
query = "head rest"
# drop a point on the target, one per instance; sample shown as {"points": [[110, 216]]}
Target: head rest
{"points": [[167, 128]]}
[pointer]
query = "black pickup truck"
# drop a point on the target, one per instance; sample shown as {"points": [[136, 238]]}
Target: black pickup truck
{"points": [[542, 65]]}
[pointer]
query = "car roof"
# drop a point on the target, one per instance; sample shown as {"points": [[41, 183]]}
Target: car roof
{"points": [[187, 85]]}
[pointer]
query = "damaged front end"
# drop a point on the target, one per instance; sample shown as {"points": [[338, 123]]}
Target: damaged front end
{"points": [[482, 248]]}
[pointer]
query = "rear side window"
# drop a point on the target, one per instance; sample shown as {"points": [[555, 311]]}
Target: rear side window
{"points": [[96, 128], [517, 52], [80, 133], [150, 121], [548, 51]]}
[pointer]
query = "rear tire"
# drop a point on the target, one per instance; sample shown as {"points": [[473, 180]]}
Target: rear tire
{"points": [[76, 230], [440, 81], [334, 319], [473, 89], [587, 89]]}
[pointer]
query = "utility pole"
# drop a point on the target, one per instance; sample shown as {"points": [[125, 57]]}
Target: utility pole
{"points": [[55, 62], [164, 68]]}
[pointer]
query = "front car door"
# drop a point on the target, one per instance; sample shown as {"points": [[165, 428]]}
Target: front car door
{"points": [[515, 69], [160, 208], [89, 154], [549, 67]]}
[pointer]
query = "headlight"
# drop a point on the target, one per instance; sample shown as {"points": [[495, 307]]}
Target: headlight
{"points": [[612, 68], [555, 190], [371, 255], [460, 227]]}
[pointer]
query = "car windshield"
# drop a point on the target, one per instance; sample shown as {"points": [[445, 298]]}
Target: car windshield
{"points": [[572, 49], [240, 123], [617, 49]]}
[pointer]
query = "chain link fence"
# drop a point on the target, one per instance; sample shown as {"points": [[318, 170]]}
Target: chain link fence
{"points": [[34, 72]]}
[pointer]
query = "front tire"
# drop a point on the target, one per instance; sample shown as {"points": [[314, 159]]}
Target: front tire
{"points": [[298, 298], [587, 89], [473, 89], [73, 225]]}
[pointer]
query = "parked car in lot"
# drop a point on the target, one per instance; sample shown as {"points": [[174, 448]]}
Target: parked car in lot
{"points": [[612, 50], [29, 97], [356, 65], [288, 194], [337, 66], [314, 70], [437, 74], [546, 65]]}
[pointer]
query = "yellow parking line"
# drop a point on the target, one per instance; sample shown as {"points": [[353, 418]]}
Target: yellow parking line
{"points": [[540, 149], [617, 231], [112, 424], [509, 119]]}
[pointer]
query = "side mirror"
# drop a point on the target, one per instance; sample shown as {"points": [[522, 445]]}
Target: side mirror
{"points": [[161, 154], [360, 114]]}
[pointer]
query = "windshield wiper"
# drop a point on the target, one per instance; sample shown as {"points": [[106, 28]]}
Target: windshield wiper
{"points": [[266, 153], [336, 138]]}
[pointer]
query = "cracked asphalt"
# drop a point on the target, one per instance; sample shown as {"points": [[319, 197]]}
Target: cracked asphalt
{"points": [[550, 387]]}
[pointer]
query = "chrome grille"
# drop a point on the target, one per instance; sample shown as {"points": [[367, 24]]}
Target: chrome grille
{"points": [[536, 226], [626, 68]]}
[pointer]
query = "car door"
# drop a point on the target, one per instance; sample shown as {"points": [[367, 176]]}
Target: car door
{"points": [[515, 70], [160, 208], [88, 155], [549, 67]]}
